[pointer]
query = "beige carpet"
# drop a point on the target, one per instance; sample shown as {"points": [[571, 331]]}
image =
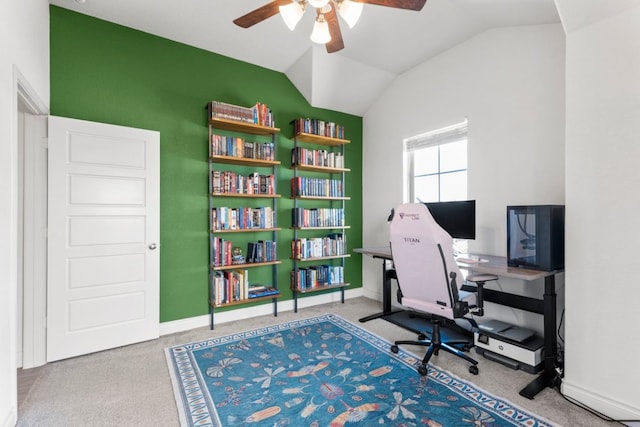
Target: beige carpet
{"points": [[130, 386]]}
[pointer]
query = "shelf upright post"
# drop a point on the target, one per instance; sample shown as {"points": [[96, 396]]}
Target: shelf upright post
{"points": [[210, 233], [294, 276], [343, 206], [274, 236]]}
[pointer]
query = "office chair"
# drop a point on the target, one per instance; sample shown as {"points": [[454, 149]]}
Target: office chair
{"points": [[428, 278]]}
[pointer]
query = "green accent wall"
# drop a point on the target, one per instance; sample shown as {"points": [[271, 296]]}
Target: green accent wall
{"points": [[108, 73]]}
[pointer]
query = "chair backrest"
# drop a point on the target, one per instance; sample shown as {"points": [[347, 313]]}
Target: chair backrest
{"points": [[423, 259]]}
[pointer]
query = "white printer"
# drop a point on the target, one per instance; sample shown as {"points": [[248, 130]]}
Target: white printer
{"points": [[512, 346]]}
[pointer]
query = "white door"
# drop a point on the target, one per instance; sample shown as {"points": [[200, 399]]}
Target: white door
{"points": [[104, 230]]}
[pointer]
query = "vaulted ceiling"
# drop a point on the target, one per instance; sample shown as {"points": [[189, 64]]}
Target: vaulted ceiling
{"points": [[385, 42]]}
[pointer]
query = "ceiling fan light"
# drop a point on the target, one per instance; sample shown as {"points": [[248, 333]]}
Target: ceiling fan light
{"points": [[291, 14], [320, 33], [350, 11], [318, 3]]}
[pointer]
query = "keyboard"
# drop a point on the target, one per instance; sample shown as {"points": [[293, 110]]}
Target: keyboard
{"points": [[467, 260], [470, 260]]}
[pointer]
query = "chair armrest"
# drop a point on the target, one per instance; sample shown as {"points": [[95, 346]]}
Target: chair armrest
{"points": [[480, 280]]}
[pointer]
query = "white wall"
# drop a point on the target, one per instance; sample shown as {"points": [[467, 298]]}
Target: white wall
{"points": [[603, 205], [24, 43], [509, 83]]}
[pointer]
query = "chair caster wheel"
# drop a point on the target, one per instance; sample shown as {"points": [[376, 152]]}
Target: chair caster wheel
{"points": [[473, 369], [422, 337], [422, 370], [394, 348], [466, 348]]}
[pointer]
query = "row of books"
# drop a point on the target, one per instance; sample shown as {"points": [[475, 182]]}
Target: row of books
{"points": [[333, 244], [225, 218], [233, 146], [235, 183], [228, 286], [259, 114], [316, 187], [261, 251], [319, 127], [316, 276], [222, 253], [317, 217], [325, 158], [233, 285]]}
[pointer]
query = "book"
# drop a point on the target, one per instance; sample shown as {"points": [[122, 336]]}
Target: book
{"points": [[262, 291]]}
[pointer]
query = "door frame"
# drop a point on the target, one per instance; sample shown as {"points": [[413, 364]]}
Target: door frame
{"points": [[34, 295]]}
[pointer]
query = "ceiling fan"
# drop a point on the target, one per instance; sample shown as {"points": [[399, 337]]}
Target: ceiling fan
{"points": [[326, 29]]}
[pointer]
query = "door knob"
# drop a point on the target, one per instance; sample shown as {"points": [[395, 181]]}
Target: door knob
{"points": [[152, 246]]}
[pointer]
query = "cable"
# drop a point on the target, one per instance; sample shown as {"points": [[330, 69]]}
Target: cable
{"points": [[575, 402], [524, 228], [560, 327], [560, 349], [561, 343], [600, 415]]}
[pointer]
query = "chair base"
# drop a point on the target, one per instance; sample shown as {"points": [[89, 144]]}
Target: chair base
{"points": [[435, 344]]}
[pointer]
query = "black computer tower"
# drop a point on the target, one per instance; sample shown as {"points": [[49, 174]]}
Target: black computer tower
{"points": [[535, 237]]}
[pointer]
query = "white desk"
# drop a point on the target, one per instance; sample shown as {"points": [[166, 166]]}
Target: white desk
{"points": [[498, 266]]}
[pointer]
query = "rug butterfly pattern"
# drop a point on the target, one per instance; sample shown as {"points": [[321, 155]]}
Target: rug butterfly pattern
{"points": [[323, 371]]}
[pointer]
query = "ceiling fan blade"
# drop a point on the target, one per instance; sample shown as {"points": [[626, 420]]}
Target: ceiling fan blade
{"points": [[398, 4], [260, 14], [336, 43]]}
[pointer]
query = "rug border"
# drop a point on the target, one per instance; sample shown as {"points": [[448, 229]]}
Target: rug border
{"points": [[175, 385], [179, 392], [179, 395]]}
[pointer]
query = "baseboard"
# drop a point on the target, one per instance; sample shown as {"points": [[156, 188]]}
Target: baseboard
{"points": [[181, 325], [374, 294], [10, 418], [604, 405]]}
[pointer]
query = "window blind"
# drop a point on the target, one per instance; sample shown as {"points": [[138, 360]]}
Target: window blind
{"points": [[441, 136]]}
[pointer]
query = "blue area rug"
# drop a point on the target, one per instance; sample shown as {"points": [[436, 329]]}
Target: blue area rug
{"points": [[323, 371]]}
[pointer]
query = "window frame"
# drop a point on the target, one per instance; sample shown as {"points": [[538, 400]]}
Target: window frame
{"points": [[436, 138]]}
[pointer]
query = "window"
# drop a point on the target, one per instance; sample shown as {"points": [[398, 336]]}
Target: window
{"points": [[436, 165]]}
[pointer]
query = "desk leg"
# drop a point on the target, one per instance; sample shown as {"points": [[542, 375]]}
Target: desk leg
{"points": [[386, 296], [548, 377]]}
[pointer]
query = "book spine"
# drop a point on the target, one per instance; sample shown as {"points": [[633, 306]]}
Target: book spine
{"points": [[319, 127]]}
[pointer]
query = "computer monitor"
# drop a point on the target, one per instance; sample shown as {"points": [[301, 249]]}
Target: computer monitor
{"points": [[456, 218]]}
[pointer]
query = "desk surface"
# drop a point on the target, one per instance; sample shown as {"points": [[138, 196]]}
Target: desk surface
{"points": [[489, 264]]}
